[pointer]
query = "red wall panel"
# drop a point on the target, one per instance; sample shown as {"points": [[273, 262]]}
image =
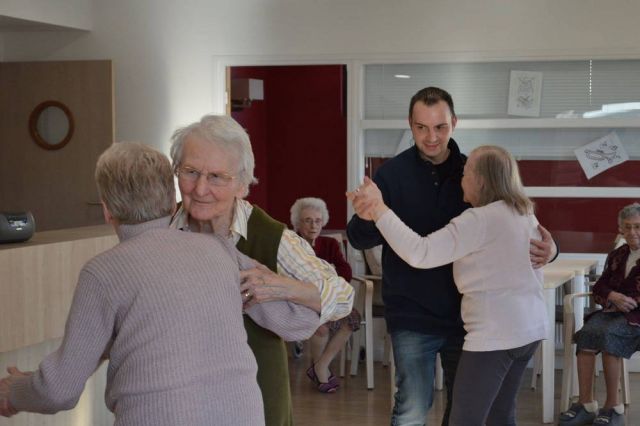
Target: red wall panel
{"points": [[587, 225], [305, 138]]}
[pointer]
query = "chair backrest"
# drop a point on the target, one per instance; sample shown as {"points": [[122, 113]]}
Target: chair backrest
{"points": [[373, 260], [340, 239], [373, 263]]}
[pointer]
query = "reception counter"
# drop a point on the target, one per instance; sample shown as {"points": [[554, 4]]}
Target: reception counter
{"points": [[38, 278]]}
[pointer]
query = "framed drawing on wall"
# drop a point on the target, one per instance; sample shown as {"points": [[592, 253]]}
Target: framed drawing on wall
{"points": [[525, 90]]}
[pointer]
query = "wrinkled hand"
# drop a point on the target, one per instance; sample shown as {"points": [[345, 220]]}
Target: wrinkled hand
{"points": [[367, 200], [621, 302], [6, 408], [542, 251], [261, 284]]}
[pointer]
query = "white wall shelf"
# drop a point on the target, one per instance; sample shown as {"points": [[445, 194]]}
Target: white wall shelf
{"points": [[517, 123], [582, 192]]}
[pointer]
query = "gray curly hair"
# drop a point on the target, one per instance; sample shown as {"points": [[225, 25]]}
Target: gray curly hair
{"points": [[135, 182], [227, 134], [308, 203], [631, 210]]}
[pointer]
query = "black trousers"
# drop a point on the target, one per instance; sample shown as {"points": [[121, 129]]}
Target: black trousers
{"points": [[486, 386]]}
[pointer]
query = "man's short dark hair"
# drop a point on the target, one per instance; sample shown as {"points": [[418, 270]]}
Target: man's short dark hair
{"points": [[431, 96]]}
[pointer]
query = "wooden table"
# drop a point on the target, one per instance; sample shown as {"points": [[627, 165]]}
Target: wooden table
{"points": [[552, 280]]}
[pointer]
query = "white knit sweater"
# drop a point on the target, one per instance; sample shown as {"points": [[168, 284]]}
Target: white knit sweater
{"points": [[502, 295], [165, 307]]}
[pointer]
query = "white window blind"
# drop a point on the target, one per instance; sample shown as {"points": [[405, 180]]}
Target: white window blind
{"points": [[480, 90]]}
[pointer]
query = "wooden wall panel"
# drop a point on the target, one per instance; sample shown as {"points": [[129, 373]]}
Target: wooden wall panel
{"points": [[38, 281], [90, 410], [56, 186]]}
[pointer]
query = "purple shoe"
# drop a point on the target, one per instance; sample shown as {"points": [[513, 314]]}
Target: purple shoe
{"points": [[329, 387], [311, 374]]}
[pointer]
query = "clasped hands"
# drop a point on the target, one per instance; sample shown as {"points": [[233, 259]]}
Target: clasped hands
{"points": [[621, 302], [6, 408], [367, 201]]}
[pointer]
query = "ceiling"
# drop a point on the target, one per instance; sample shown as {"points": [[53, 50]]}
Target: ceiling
{"points": [[9, 24]]}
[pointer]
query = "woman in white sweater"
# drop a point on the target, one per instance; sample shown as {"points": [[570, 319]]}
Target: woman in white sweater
{"points": [[502, 295]]}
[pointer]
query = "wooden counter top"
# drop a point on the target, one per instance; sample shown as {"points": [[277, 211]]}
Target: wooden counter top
{"points": [[62, 235]]}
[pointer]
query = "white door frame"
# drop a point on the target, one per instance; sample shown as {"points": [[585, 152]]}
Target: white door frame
{"points": [[355, 140]]}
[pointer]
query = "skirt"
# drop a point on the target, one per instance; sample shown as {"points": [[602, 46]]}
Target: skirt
{"points": [[352, 320], [608, 332]]}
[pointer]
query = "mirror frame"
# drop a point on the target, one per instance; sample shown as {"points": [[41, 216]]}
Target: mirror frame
{"points": [[33, 125]]}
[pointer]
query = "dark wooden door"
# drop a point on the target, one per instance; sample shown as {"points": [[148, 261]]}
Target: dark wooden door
{"points": [[57, 186]]}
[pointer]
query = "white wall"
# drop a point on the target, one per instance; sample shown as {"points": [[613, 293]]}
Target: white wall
{"points": [[163, 51], [67, 13]]}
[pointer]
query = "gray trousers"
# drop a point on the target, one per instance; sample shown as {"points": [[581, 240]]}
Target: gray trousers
{"points": [[486, 386]]}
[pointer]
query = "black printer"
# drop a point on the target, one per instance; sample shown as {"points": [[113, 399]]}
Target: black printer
{"points": [[16, 227]]}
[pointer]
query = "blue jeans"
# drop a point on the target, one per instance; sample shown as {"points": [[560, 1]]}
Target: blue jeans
{"points": [[415, 358]]}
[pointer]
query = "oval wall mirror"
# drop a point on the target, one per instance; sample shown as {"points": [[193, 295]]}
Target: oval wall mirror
{"points": [[51, 125]]}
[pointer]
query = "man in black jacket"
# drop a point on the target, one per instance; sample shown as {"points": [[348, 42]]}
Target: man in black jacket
{"points": [[422, 306]]}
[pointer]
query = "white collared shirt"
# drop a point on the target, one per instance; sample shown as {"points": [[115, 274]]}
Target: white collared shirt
{"points": [[295, 259]]}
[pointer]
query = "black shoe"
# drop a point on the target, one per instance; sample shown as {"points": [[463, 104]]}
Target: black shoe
{"points": [[576, 415]]}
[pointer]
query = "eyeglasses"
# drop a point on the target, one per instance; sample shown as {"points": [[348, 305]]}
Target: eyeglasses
{"points": [[628, 227], [308, 221], [191, 175]]}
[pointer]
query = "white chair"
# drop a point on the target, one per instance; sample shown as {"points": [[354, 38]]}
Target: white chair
{"points": [[343, 353], [364, 303], [568, 379], [369, 301]]}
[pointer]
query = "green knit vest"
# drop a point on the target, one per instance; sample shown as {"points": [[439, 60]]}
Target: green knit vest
{"points": [[263, 240]]}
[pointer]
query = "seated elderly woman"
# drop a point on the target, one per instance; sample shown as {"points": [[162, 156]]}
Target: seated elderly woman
{"points": [[614, 330], [164, 307], [308, 217]]}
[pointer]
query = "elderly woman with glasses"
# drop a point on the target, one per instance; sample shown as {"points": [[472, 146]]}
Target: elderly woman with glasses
{"points": [[614, 330], [164, 308], [214, 163], [308, 217]]}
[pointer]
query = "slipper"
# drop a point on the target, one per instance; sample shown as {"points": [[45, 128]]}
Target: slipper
{"points": [[333, 379], [311, 374], [329, 387]]}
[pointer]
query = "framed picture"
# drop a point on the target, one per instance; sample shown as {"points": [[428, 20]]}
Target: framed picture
{"points": [[525, 90]]}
